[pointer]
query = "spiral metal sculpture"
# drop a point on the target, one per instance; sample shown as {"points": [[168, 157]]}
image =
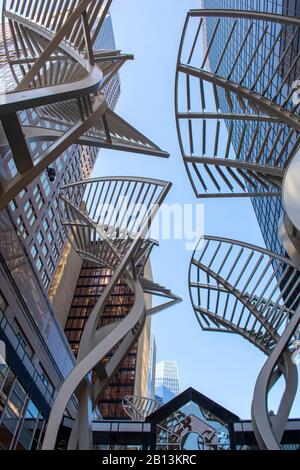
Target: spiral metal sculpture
{"points": [[109, 219], [241, 288], [51, 67], [236, 287], [138, 408], [228, 109]]}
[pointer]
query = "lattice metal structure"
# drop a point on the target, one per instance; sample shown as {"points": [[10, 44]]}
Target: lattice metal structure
{"points": [[109, 219], [49, 48], [138, 408], [167, 438], [228, 152], [240, 288]]}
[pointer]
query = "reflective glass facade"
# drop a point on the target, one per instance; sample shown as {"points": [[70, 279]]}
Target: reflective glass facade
{"points": [[151, 366], [106, 40], [34, 212], [21, 423], [166, 380], [91, 283]]}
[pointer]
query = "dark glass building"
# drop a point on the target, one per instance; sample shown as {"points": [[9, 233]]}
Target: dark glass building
{"points": [[91, 283]]}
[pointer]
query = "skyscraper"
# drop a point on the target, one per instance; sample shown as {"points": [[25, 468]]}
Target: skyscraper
{"points": [[151, 367], [106, 40], [268, 210], [166, 380], [91, 283]]}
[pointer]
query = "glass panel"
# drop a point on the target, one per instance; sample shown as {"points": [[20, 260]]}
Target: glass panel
{"points": [[8, 383], [17, 399], [10, 420]]}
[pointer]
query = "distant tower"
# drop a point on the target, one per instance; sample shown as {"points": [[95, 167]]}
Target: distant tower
{"points": [[167, 380], [151, 366]]}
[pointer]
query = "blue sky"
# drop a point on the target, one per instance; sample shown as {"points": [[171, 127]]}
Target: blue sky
{"points": [[221, 366]]}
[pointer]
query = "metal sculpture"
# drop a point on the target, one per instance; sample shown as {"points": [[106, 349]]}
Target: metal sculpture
{"points": [[240, 288], [228, 111], [289, 226], [138, 408], [249, 110], [108, 220], [53, 69]]}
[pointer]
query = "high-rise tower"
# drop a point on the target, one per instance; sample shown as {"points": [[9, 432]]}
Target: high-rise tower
{"points": [[167, 384]]}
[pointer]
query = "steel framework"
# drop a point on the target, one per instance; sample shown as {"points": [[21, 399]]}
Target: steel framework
{"points": [[227, 113], [138, 408], [109, 219], [227, 153], [240, 288], [56, 72]]}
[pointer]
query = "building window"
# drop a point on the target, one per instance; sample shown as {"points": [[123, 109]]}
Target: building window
{"points": [[33, 251], [45, 184], [38, 197], [23, 341], [39, 264], [59, 165], [55, 252], [12, 168], [50, 238], [45, 379], [50, 265], [46, 225], [55, 226], [30, 212], [55, 204], [40, 238], [45, 280], [45, 250], [22, 193], [51, 213], [60, 241], [3, 302], [22, 228], [13, 206], [32, 146]]}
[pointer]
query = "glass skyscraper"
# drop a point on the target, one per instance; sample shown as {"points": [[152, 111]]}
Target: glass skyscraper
{"points": [[151, 366], [268, 210], [167, 384]]}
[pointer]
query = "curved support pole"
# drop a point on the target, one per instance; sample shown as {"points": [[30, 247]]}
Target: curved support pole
{"points": [[290, 238], [269, 434], [290, 373], [90, 361]]}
